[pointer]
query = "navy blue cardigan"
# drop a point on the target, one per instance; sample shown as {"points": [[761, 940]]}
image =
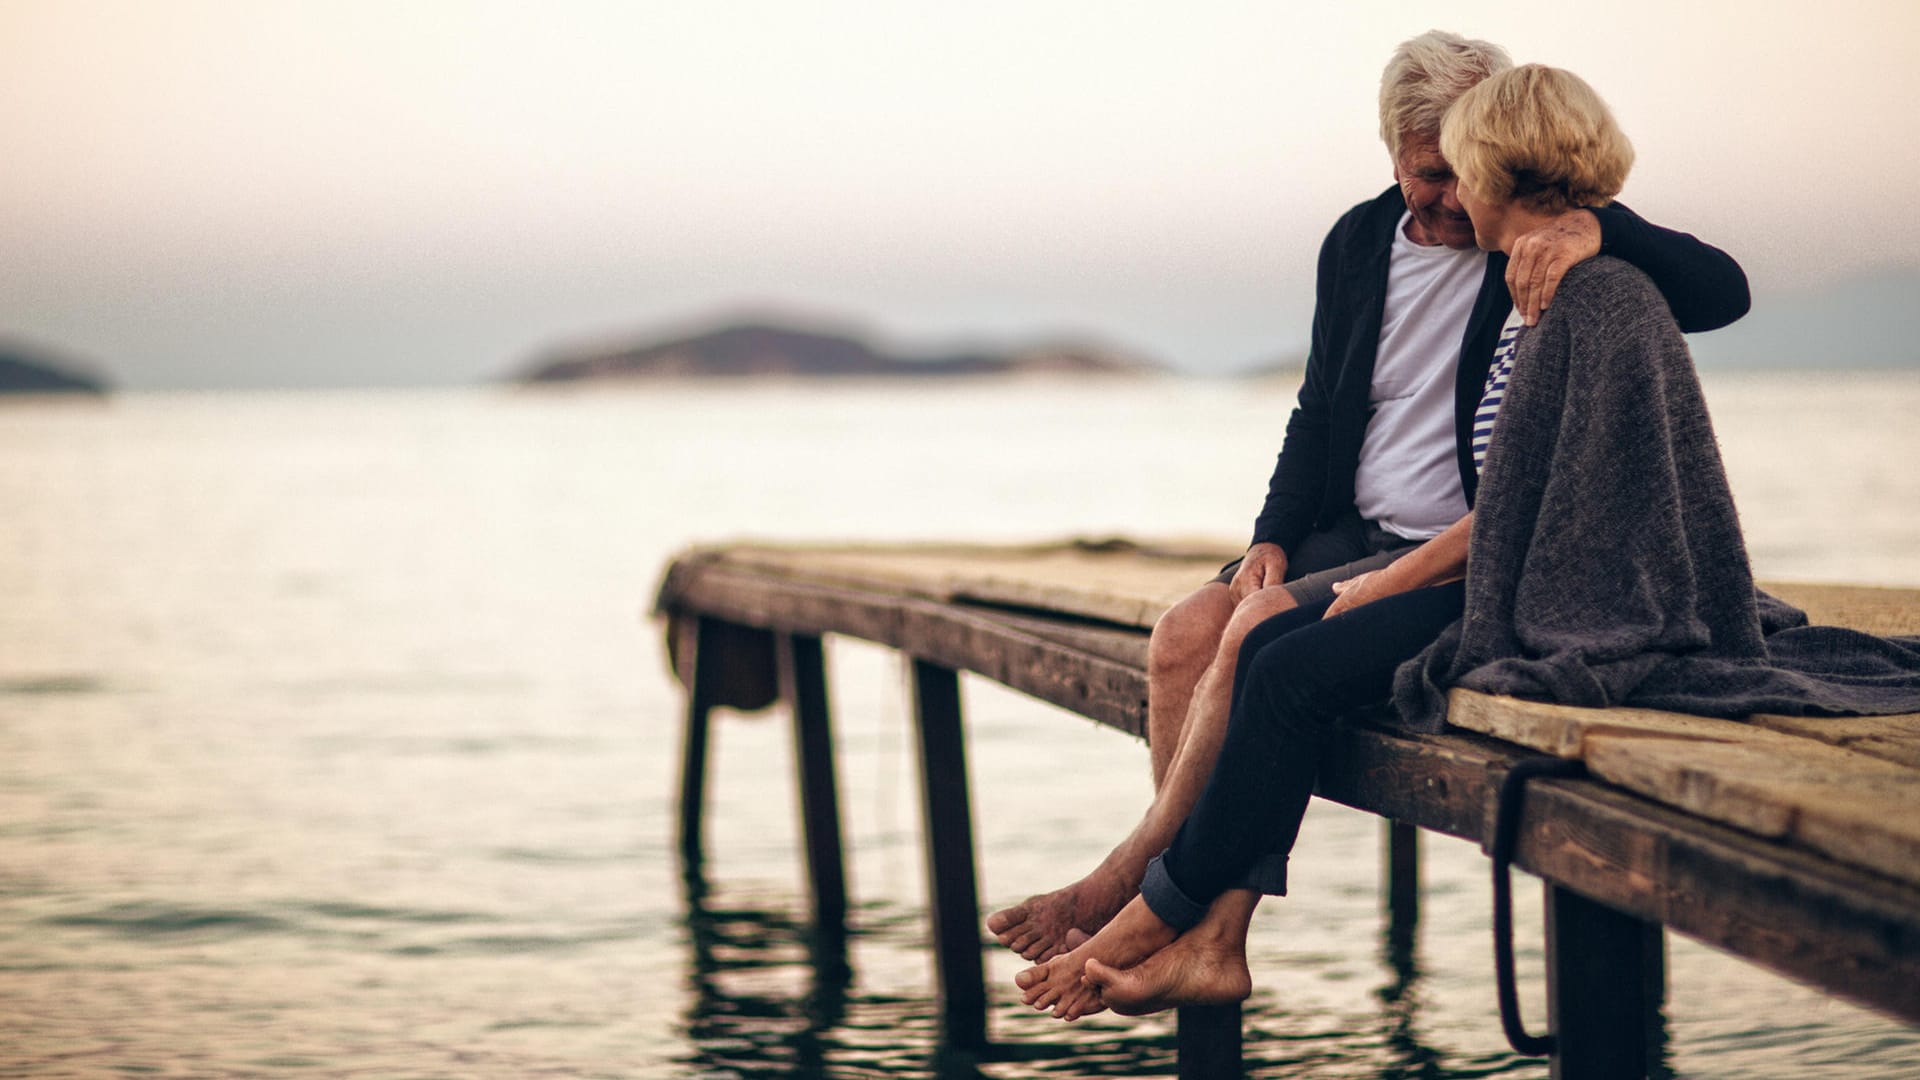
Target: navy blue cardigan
{"points": [[1312, 484]]}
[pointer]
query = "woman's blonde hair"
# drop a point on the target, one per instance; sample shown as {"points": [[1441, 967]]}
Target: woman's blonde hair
{"points": [[1539, 136], [1425, 76]]}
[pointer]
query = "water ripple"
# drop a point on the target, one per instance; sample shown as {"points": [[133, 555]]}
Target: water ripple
{"points": [[66, 683], [146, 919]]}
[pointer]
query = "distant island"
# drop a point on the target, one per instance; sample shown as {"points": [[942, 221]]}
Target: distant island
{"points": [[25, 370], [768, 349]]}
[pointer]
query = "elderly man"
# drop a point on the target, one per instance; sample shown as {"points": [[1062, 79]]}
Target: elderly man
{"points": [[1377, 457]]}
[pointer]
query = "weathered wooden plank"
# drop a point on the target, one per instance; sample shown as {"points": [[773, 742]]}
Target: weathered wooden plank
{"points": [[1122, 645], [1854, 934], [1860, 809], [1563, 730], [1443, 783], [963, 638], [1113, 581], [1893, 738]]}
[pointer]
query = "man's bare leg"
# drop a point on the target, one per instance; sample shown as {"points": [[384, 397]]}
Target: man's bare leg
{"points": [[1184, 643], [1037, 929]]}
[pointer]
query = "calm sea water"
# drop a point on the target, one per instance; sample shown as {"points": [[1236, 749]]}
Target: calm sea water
{"points": [[335, 741]]}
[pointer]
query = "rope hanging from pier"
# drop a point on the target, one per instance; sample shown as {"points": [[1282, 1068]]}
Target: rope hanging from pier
{"points": [[1506, 836]]}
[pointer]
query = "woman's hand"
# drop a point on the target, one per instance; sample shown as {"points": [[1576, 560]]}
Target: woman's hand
{"points": [[1438, 561], [1365, 589]]}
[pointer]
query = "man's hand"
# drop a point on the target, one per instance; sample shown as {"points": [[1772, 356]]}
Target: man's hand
{"points": [[1263, 565], [1542, 257]]}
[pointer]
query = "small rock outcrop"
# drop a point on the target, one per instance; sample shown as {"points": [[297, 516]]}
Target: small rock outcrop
{"points": [[25, 370], [766, 349]]}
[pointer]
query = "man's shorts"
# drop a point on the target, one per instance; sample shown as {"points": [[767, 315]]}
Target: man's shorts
{"points": [[1348, 548]]}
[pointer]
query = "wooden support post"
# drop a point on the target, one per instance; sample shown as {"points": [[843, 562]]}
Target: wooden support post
{"points": [[803, 683], [1208, 1041], [951, 892], [1606, 981], [697, 674], [1403, 885]]}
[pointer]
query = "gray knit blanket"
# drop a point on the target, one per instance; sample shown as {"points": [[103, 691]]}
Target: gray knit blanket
{"points": [[1607, 566]]}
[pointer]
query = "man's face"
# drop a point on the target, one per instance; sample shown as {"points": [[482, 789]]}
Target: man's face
{"points": [[1431, 191]]}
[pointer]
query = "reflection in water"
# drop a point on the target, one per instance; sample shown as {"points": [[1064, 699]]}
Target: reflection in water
{"points": [[748, 1016], [769, 996], [740, 1028], [1410, 1056], [1400, 998]]}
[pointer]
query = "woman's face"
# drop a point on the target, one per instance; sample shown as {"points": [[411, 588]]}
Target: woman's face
{"points": [[1488, 217]]}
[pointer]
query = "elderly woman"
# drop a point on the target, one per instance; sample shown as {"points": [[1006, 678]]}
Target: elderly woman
{"points": [[1602, 564]]}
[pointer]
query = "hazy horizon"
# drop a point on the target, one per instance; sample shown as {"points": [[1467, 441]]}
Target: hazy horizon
{"points": [[218, 194]]}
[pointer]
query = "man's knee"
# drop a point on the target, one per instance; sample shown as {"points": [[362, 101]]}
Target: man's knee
{"points": [[1257, 608], [1186, 636]]}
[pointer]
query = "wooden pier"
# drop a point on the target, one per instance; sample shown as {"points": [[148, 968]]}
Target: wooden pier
{"points": [[1792, 843]]}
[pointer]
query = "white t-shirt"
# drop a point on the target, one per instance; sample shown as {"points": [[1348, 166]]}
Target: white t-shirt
{"points": [[1409, 475]]}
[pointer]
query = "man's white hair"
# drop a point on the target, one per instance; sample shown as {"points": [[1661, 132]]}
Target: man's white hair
{"points": [[1426, 75]]}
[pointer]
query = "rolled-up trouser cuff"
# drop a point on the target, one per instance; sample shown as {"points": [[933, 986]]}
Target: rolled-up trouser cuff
{"points": [[1165, 899], [1268, 875]]}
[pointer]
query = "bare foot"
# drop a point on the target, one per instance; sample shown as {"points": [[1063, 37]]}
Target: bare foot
{"points": [[1038, 928], [1134, 934], [1196, 969]]}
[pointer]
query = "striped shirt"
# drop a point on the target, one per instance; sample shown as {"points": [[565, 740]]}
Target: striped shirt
{"points": [[1496, 389]]}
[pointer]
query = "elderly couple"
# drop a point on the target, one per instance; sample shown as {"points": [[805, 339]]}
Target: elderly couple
{"points": [[1583, 549]]}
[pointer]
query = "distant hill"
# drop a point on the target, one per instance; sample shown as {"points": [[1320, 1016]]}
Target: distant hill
{"points": [[27, 370], [767, 349]]}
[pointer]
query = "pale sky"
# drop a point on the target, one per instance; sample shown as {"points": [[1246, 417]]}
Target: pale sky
{"points": [[277, 193]]}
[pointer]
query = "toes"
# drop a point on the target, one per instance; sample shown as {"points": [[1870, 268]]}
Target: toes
{"points": [[1039, 992], [1028, 944], [1076, 937], [1098, 975], [1083, 1001], [1000, 922]]}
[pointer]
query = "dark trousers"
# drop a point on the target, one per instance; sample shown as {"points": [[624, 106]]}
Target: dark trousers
{"points": [[1297, 674]]}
